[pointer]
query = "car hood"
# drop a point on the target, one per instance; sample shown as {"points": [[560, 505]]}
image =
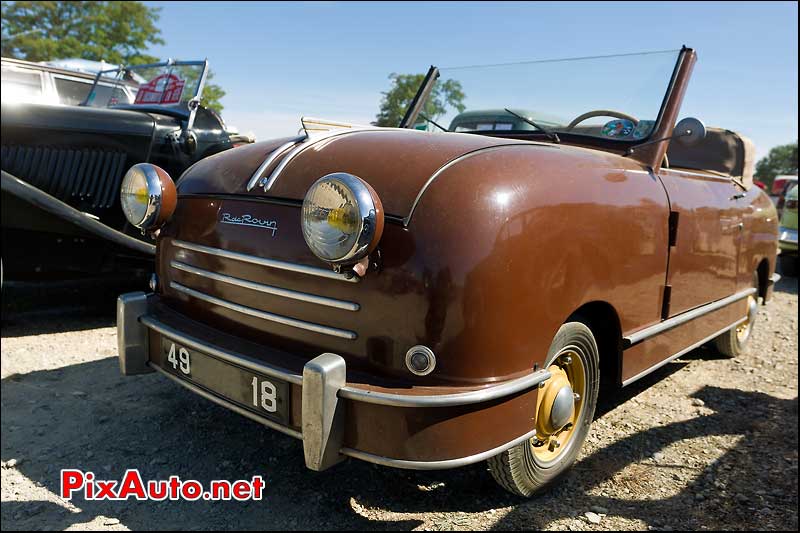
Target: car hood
{"points": [[77, 118], [395, 162]]}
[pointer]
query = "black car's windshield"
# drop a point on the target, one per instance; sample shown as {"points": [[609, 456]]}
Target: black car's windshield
{"points": [[616, 97], [172, 83]]}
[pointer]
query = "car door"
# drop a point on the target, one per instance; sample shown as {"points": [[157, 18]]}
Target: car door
{"points": [[705, 235]]}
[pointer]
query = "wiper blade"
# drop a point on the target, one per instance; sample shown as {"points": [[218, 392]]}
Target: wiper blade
{"points": [[549, 134], [426, 119]]}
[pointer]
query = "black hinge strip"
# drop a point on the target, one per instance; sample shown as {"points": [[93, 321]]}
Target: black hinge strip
{"points": [[666, 301], [673, 227]]}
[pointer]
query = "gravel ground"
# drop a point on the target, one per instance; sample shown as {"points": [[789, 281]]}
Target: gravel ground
{"points": [[705, 443]]}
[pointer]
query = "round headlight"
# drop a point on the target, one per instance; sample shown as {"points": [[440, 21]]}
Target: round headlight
{"points": [[342, 218], [147, 195]]}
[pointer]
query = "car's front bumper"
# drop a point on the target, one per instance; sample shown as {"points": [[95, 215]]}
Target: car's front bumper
{"points": [[404, 427]]}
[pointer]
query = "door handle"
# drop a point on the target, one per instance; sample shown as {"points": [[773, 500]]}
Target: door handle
{"points": [[738, 195]]}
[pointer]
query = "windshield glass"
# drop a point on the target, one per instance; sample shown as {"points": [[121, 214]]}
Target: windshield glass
{"points": [[615, 97], [165, 84]]}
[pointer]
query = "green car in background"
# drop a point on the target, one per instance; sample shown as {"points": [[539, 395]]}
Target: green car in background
{"points": [[787, 240]]}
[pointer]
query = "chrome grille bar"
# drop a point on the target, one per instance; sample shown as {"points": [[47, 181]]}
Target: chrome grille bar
{"points": [[268, 289], [264, 315], [271, 263]]}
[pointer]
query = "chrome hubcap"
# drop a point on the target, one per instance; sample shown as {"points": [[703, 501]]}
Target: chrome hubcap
{"points": [[563, 407]]}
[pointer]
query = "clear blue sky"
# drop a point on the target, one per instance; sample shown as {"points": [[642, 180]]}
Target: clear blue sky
{"points": [[280, 61]]}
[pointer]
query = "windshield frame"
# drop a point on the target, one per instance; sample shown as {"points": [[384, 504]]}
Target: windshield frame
{"points": [[427, 85], [167, 65]]}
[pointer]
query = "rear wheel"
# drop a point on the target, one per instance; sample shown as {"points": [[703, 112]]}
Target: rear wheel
{"points": [[564, 411], [788, 265], [734, 341]]}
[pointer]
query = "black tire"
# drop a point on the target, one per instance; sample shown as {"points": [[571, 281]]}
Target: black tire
{"points": [[517, 469], [734, 341], [788, 265]]}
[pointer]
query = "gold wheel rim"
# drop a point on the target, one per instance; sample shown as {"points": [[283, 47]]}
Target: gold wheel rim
{"points": [[567, 369]]}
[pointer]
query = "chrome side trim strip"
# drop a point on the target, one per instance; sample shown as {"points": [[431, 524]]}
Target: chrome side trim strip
{"points": [[670, 323], [685, 350], [306, 145], [699, 174], [436, 465], [219, 353], [230, 405], [271, 159], [458, 159], [507, 388], [268, 289], [264, 315], [271, 263]]}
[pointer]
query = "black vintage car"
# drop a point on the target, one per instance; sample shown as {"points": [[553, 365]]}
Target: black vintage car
{"points": [[62, 167]]}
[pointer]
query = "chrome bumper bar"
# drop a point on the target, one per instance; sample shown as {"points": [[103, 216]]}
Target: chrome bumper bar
{"points": [[323, 382]]}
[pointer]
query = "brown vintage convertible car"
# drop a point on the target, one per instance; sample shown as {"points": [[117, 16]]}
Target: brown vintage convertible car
{"points": [[426, 300]]}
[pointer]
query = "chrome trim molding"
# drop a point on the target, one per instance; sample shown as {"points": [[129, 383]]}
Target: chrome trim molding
{"points": [[230, 405], [671, 358], [271, 159], [268, 289], [435, 465], [700, 174], [219, 353], [264, 315], [458, 159], [670, 323], [262, 261], [493, 392], [308, 144]]}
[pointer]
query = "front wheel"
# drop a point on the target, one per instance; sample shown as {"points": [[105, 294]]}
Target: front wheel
{"points": [[564, 411]]}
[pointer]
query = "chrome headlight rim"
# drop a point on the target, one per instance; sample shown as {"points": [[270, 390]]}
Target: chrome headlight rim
{"points": [[154, 194], [370, 214]]}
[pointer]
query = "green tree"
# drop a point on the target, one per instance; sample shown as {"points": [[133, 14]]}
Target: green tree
{"points": [[116, 32], [396, 100], [780, 160]]}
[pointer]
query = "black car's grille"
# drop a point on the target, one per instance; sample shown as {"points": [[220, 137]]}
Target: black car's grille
{"points": [[87, 178]]}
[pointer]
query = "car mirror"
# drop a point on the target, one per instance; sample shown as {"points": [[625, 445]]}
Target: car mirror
{"points": [[689, 131]]}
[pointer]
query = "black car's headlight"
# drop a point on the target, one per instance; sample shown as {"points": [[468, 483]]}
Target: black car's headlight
{"points": [[147, 195], [342, 218]]}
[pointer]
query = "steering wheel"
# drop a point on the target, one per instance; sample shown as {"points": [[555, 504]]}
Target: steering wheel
{"points": [[601, 113]]}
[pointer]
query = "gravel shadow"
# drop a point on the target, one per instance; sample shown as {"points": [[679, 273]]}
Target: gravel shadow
{"points": [[87, 416]]}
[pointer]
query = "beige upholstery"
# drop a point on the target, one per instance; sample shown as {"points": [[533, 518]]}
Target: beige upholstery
{"points": [[722, 151]]}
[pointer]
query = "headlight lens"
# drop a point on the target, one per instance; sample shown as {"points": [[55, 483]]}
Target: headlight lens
{"points": [[342, 218], [142, 195]]}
